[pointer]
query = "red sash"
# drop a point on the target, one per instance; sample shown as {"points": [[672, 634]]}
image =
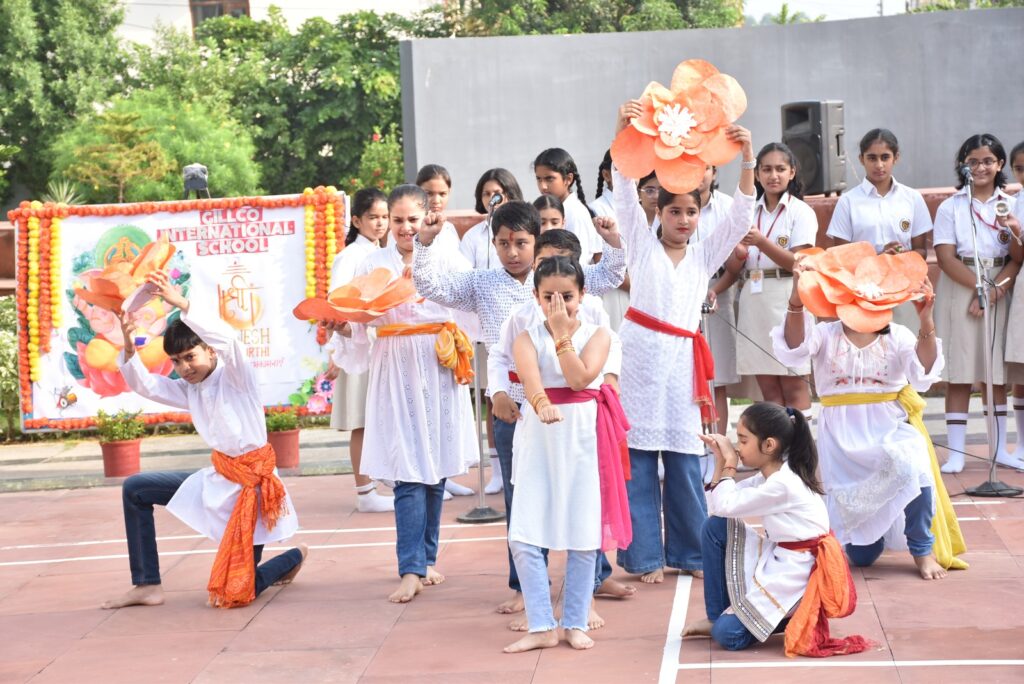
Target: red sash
{"points": [[703, 362], [612, 460], [514, 377]]}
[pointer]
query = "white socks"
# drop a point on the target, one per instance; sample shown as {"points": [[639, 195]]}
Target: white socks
{"points": [[1018, 414], [453, 487], [369, 501], [956, 439], [496, 484], [1003, 455]]}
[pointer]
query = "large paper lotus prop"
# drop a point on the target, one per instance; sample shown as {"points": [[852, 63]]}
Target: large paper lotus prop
{"points": [[682, 129], [120, 278], [364, 299], [860, 288]]}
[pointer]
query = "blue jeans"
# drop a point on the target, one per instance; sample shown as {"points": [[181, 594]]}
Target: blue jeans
{"points": [[684, 506], [418, 522], [918, 530], [531, 562], [727, 629], [139, 494]]}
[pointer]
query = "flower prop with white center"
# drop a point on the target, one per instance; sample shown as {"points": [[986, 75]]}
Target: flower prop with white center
{"points": [[682, 129], [852, 283], [366, 298], [121, 279]]}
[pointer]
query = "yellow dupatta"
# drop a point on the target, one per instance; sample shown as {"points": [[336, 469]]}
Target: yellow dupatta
{"points": [[949, 541]]}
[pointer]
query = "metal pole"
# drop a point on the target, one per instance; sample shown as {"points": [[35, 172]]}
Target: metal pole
{"points": [[482, 513]]}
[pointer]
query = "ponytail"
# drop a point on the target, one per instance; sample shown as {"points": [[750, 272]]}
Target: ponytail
{"points": [[606, 165], [791, 430]]}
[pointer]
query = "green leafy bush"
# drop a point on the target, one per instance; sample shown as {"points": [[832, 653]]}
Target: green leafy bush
{"points": [[9, 406], [282, 421], [119, 427]]}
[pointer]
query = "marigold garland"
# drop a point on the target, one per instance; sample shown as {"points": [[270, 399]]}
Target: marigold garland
{"points": [[45, 293], [33, 295], [56, 286]]}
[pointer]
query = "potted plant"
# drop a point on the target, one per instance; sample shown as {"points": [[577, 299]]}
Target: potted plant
{"points": [[120, 440], [283, 435]]}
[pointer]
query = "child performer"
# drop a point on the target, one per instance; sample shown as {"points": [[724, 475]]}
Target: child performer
{"points": [[795, 577], [557, 175], [958, 317], [891, 216], [665, 361], [419, 420], [1015, 326], [877, 460], [238, 501], [478, 243], [507, 391], [552, 213], [568, 469], [369, 226], [784, 225]]}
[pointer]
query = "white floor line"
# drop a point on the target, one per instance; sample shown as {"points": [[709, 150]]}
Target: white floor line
{"points": [[346, 530], [676, 622], [199, 552], [978, 503], [839, 662]]}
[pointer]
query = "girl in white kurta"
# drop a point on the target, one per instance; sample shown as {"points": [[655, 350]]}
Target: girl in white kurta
{"points": [[876, 467], [753, 583], [348, 413], [959, 317], [419, 420], [659, 390], [557, 501], [218, 387], [783, 225]]}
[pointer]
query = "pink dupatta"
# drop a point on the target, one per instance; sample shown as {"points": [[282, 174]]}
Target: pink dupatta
{"points": [[612, 460]]}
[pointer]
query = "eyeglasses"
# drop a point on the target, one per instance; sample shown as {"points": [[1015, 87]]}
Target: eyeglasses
{"points": [[650, 190], [987, 163]]}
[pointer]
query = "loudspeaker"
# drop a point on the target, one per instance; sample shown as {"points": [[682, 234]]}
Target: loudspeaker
{"points": [[815, 132]]}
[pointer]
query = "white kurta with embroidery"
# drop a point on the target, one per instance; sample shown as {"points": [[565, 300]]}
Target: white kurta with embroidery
{"points": [[419, 421], [873, 462], [227, 412], [657, 369], [764, 580]]}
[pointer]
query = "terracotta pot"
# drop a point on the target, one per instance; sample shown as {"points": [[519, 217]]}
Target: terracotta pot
{"points": [[120, 459], [286, 447]]}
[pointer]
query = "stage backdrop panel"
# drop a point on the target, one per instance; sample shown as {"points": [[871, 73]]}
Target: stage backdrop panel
{"points": [[248, 261]]}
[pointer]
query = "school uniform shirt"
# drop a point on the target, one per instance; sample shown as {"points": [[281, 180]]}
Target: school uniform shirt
{"points": [[712, 215], [478, 247], [792, 223], [500, 359], [603, 205], [953, 225], [227, 412], [862, 215], [579, 222]]}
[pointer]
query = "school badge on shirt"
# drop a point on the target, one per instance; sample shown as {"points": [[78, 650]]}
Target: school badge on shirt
{"points": [[905, 225], [782, 240], [1004, 237]]}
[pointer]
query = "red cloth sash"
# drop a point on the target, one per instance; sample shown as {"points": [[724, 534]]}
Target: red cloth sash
{"points": [[612, 460], [830, 594], [514, 377], [703, 362]]}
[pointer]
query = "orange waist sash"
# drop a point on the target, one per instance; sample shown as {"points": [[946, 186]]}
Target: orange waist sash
{"points": [[452, 347]]}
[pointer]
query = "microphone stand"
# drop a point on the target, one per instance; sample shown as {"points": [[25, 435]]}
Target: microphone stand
{"points": [[992, 487]]}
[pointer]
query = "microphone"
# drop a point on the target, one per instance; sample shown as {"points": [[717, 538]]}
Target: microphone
{"points": [[495, 200], [964, 172]]}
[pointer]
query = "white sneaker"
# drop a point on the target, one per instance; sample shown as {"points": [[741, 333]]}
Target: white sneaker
{"points": [[373, 502], [453, 487]]}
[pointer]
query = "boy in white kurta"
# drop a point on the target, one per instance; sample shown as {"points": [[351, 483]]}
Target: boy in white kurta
{"points": [[218, 387]]}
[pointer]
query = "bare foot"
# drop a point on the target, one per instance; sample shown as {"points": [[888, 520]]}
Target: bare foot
{"points": [[653, 577], [520, 624], [594, 621], [513, 605], [534, 640], [929, 567], [290, 575], [696, 574], [615, 589], [433, 577], [407, 590], [698, 628], [140, 595], [578, 640]]}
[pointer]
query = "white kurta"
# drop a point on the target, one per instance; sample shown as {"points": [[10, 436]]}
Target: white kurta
{"points": [[478, 247], [557, 498], [764, 580], [657, 369], [579, 222], [419, 421], [873, 462], [227, 412]]}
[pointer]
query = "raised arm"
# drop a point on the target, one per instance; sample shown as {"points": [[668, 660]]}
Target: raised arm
{"points": [[148, 385], [453, 288], [608, 273], [718, 246]]}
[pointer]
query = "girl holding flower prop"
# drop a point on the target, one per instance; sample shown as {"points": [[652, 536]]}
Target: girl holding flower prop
{"points": [[878, 466]]}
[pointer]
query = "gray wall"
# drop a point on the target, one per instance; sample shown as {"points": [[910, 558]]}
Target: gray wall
{"points": [[934, 79]]}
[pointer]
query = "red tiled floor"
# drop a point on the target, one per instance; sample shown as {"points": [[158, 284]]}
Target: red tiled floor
{"points": [[329, 666]]}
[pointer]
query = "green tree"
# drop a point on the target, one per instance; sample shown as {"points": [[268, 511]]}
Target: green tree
{"points": [[787, 16], [942, 5], [58, 58]]}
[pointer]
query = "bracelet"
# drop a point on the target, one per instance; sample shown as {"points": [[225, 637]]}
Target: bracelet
{"points": [[728, 467], [752, 164], [565, 350], [795, 310], [539, 401], [925, 336]]}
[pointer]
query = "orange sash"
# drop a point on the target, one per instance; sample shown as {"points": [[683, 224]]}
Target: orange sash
{"points": [[452, 347], [830, 593], [233, 577]]}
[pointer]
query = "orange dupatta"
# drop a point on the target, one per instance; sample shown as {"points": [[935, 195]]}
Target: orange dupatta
{"points": [[452, 347], [233, 577]]}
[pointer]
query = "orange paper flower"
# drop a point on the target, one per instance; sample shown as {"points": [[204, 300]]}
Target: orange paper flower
{"points": [[364, 299], [682, 129], [121, 277], [860, 288]]}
